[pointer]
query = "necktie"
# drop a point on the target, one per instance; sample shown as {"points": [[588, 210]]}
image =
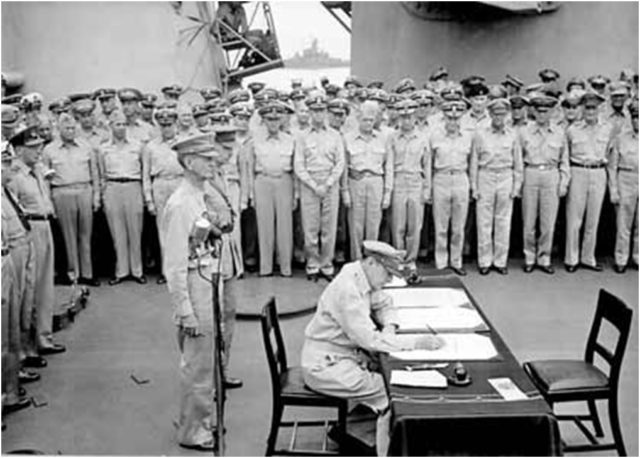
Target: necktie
{"points": [[18, 210]]}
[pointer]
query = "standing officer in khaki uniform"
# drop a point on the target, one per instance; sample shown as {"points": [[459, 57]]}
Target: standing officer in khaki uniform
{"points": [[161, 172], [496, 173], [408, 152], [121, 177], [108, 104], [147, 105], [29, 187], [546, 179], [272, 189], [137, 129], [75, 190], [588, 142], [450, 151], [368, 178], [319, 164], [87, 128], [623, 189]]}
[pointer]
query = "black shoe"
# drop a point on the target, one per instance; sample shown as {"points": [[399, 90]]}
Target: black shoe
{"points": [[619, 269], [502, 270], [283, 275], [528, 268], [312, 277], [232, 382], [459, 271], [52, 349], [547, 269], [328, 277], [483, 270], [62, 280], [161, 280], [141, 280], [25, 376], [571, 269], [209, 446], [634, 265], [89, 281], [22, 403], [34, 361], [116, 280], [596, 268], [270, 274]]}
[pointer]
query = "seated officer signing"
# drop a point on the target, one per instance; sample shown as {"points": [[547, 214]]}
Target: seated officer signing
{"points": [[354, 316]]}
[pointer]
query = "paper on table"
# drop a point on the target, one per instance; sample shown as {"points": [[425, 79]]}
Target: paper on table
{"points": [[507, 389], [439, 318], [427, 297], [396, 282], [424, 379], [457, 347]]}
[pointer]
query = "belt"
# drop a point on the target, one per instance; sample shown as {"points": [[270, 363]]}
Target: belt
{"points": [[34, 217], [542, 166], [588, 166], [360, 174], [496, 169], [451, 172], [627, 169], [69, 185], [123, 180], [273, 175]]}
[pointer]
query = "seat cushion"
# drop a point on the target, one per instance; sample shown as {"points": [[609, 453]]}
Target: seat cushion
{"points": [[293, 386], [557, 376]]}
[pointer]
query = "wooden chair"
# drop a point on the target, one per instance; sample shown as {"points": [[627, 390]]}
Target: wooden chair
{"points": [[581, 380], [288, 389]]}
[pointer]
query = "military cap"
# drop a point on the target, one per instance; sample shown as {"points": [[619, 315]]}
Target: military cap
{"points": [[339, 106], [224, 134], [551, 89], [404, 85], [220, 117], [7, 151], [548, 74], [298, 94], [117, 116], [238, 95], [513, 81], [31, 101], [104, 93], [497, 91], [174, 90], [352, 80], [129, 94], [452, 91], [406, 106], [265, 95], [296, 83], [441, 72], [199, 144], [60, 105], [199, 110], [575, 81], [626, 74], [518, 101], [541, 100], [285, 108], [375, 84], [10, 115], [393, 99], [324, 80], [271, 110], [423, 96], [459, 105], [332, 90], [28, 136], [15, 99], [240, 109], [210, 92], [591, 99], [318, 102], [390, 258], [283, 96], [472, 80], [148, 100], [215, 107], [79, 96], [598, 81], [477, 89], [83, 106], [497, 105], [377, 95], [256, 86], [572, 98], [165, 115], [167, 105], [619, 88], [633, 108], [535, 87], [361, 93]]}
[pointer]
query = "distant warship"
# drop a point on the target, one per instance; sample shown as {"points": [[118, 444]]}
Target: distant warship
{"points": [[314, 57]]}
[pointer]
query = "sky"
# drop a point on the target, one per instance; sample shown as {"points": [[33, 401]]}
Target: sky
{"points": [[297, 22]]}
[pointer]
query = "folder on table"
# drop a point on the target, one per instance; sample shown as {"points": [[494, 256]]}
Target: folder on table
{"points": [[457, 347]]}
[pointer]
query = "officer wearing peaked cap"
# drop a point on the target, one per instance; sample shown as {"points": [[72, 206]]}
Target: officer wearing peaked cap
{"points": [[210, 93], [136, 128], [10, 118], [512, 84], [599, 83], [318, 165], [256, 86], [108, 103], [405, 85], [519, 105], [424, 100], [548, 75], [201, 115], [31, 105], [355, 317], [189, 261], [61, 105], [172, 92], [238, 95], [147, 105], [572, 108], [614, 111]]}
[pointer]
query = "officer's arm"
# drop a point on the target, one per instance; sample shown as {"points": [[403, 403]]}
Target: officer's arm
{"points": [[102, 170], [565, 151], [428, 175], [344, 179], [244, 177], [175, 229], [251, 171], [94, 169], [426, 195], [518, 167], [299, 166], [612, 167], [476, 146], [146, 175], [383, 309], [388, 167], [338, 167]]}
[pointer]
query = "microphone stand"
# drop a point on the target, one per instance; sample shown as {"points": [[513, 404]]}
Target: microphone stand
{"points": [[218, 375]]}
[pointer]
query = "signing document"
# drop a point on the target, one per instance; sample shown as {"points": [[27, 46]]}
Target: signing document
{"points": [[422, 379], [413, 319], [427, 297], [457, 347]]}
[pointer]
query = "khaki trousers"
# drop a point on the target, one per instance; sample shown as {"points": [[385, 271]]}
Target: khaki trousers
{"points": [[365, 213], [493, 216], [44, 296], [22, 316], [233, 189], [274, 207], [229, 308], [627, 217], [539, 204], [74, 210], [10, 333], [407, 213], [584, 204], [124, 209], [450, 207]]}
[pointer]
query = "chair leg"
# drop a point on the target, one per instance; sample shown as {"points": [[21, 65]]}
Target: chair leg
{"points": [[615, 426], [593, 411], [276, 416], [342, 426]]}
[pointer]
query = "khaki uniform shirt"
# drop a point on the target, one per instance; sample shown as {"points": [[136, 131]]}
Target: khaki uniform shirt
{"points": [[546, 146], [73, 163], [409, 154], [624, 156], [121, 160], [589, 144], [30, 188], [368, 154], [319, 157], [158, 161], [14, 232]]}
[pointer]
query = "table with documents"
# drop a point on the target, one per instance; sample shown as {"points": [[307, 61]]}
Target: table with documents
{"points": [[499, 413]]}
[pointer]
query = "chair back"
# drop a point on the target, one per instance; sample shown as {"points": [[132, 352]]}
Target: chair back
{"points": [[616, 312], [273, 345]]}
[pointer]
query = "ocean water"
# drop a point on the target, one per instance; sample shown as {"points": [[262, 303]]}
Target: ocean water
{"points": [[280, 78]]}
